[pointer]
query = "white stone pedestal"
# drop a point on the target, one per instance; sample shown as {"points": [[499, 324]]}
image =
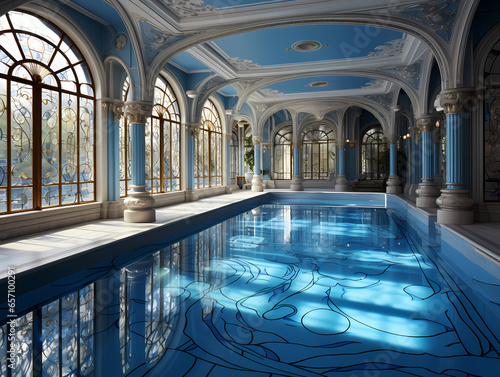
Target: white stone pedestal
{"points": [[341, 183], [455, 207], [393, 185], [139, 204], [257, 183], [427, 193], [296, 184]]}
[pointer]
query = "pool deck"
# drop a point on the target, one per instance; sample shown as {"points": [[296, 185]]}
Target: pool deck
{"points": [[29, 252]]}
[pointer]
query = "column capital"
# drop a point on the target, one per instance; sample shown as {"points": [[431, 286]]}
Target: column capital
{"points": [[426, 123], [266, 146], [341, 143], [256, 140], [457, 101], [138, 111], [415, 132], [116, 106], [193, 128], [297, 143], [392, 139]]}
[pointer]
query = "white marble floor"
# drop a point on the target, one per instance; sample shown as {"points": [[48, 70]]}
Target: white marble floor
{"points": [[25, 253]]}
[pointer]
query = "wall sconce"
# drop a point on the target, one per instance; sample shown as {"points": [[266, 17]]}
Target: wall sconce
{"points": [[191, 93], [351, 143], [407, 136]]}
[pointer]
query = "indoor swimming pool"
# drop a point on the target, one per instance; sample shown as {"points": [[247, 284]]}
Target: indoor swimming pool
{"points": [[279, 290]]}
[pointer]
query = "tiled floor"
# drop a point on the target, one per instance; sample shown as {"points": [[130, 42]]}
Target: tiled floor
{"points": [[32, 251]]}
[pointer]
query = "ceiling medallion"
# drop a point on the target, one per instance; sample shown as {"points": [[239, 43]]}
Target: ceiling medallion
{"points": [[306, 46], [318, 84]]}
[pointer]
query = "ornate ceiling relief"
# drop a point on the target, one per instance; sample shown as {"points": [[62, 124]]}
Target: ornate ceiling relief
{"points": [[391, 48], [374, 84], [438, 15], [155, 39], [189, 8], [243, 64], [410, 73], [384, 99], [271, 92]]}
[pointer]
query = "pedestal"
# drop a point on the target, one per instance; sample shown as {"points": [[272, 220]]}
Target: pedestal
{"points": [[139, 204], [455, 207], [393, 185], [257, 183], [341, 183], [427, 193], [296, 184]]}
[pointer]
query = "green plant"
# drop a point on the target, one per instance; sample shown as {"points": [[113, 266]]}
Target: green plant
{"points": [[248, 157]]}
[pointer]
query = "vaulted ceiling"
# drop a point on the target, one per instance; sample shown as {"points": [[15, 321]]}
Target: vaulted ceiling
{"points": [[273, 51]]}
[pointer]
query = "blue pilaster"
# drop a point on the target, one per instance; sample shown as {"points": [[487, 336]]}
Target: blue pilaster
{"points": [[393, 159], [256, 168], [190, 162], [113, 158], [341, 161], [457, 151], [427, 158], [138, 154], [228, 161], [436, 158], [296, 161], [415, 160]]}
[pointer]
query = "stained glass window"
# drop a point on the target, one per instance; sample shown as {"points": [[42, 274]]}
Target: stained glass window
{"points": [[373, 147], [491, 175], [318, 157], [47, 127], [283, 157], [163, 138], [208, 149]]}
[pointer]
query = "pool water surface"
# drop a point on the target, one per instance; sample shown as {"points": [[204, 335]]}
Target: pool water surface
{"points": [[287, 290]]}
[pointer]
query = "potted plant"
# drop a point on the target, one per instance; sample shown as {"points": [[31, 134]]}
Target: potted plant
{"points": [[248, 158]]}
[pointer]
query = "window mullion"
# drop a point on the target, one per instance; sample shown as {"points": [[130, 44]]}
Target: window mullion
{"points": [[37, 147]]}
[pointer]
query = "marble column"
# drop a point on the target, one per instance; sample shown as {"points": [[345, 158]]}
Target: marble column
{"points": [[115, 110], [257, 182], [229, 190], [415, 159], [455, 202], [341, 181], [393, 182], [139, 202], [297, 181], [192, 135], [427, 190], [436, 140]]}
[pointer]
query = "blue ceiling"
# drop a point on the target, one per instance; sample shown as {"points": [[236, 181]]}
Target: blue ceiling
{"points": [[222, 5], [104, 11], [273, 46], [189, 63], [228, 90], [335, 83]]}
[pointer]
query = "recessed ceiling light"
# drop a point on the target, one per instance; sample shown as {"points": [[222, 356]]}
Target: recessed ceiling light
{"points": [[318, 84], [306, 46]]}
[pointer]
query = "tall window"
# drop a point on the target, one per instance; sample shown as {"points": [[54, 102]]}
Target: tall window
{"points": [[373, 149], [318, 159], [283, 153], [47, 131], [125, 147], [234, 155], [208, 149], [163, 137]]}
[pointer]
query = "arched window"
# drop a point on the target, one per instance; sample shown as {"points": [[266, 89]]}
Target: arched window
{"points": [[283, 153], [125, 147], [318, 156], [163, 164], [208, 149], [373, 147], [47, 130], [234, 155]]}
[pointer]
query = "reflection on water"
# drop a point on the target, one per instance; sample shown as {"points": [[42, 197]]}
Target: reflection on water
{"points": [[285, 291]]}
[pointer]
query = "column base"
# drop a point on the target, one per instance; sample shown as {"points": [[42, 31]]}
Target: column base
{"points": [[191, 196], [139, 204], [296, 184], [427, 193], [393, 185], [341, 183], [257, 183], [115, 209], [412, 191], [455, 207], [229, 190]]}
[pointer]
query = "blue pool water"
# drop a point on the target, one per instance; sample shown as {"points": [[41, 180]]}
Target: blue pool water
{"points": [[286, 290]]}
